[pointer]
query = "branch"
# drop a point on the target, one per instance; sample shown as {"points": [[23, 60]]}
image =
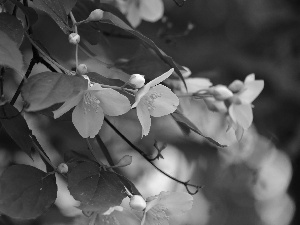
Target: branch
{"points": [[186, 184]]}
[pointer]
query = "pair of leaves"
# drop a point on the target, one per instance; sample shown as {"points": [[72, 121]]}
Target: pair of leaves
{"points": [[97, 189], [26, 192], [48, 88]]}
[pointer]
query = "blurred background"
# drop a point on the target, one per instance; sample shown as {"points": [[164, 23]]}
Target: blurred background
{"points": [[254, 182]]}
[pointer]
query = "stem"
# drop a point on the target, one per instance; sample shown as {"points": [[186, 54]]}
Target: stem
{"points": [[76, 31], [2, 71], [119, 88], [96, 154], [18, 91], [186, 184], [105, 150]]}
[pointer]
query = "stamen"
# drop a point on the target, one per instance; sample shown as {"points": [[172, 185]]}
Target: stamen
{"points": [[91, 103]]}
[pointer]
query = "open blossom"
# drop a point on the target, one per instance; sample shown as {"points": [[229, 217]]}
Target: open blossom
{"points": [[155, 100], [159, 208], [240, 110], [138, 10], [90, 107]]}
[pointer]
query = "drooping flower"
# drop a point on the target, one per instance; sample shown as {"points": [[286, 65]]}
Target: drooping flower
{"points": [[90, 107], [240, 110], [155, 100], [138, 10], [159, 208]]}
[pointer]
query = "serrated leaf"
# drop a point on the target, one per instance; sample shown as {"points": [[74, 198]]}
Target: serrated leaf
{"points": [[116, 21], [12, 27], [47, 88], [26, 192], [30, 13], [56, 10], [187, 125], [16, 127], [96, 189], [129, 185], [10, 54]]}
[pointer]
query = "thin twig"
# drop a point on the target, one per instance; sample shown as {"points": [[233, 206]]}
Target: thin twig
{"points": [[105, 150], [186, 184]]}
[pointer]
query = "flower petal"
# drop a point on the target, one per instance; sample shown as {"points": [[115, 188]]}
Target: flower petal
{"points": [[251, 91], [161, 78], [155, 216], [112, 102], [175, 202], [195, 84], [250, 78], [68, 105], [87, 120], [141, 93], [151, 10], [133, 14], [144, 117], [241, 114], [161, 101]]}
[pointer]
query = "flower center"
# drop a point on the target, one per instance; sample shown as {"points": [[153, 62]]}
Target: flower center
{"points": [[91, 103], [150, 100]]}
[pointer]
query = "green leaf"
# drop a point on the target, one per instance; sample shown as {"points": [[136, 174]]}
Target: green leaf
{"points": [[116, 21], [47, 88], [186, 125], [30, 13], [10, 54], [97, 78], [96, 189], [68, 5], [129, 185], [12, 27], [16, 127], [56, 10], [26, 192]]}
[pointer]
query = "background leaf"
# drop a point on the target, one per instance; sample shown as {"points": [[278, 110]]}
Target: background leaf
{"points": [[45, 89], [56, 10], [16, 126], [186, 125], [68, 5], [12, 27], [10, 54], [96, 189], [26, 192]]}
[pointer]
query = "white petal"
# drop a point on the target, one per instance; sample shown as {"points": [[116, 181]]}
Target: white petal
{"points": [[141, 93], [112, 102], [133, 14], [87, 120], [161, 78], [196, 84], [144, 117], [249, 78], [241, 114], [69, 104], [151, 10], [251, 90], [161, 101]]}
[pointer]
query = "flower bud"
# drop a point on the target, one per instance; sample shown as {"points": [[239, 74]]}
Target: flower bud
{"points": [[125, 161], [74, 38], [81, 69], [95, 15], [136, 80], [221, 92], [62, 168], [137, 202], [236, 86]]}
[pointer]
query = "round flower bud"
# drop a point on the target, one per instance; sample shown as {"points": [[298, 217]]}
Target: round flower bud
{"points": [[81, 69], [137, 202], [136, 80], [221, 92], [95, 15], [62, 168], [125, 161], [74, 38], [236, 86]]}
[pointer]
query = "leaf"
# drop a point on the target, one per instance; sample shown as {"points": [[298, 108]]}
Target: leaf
{"points": [[30, 13], [68, 5], [129, 185], [16, 127], [10, 54], [12, 27], [47, 88], [97, 190], [116, 21], [187, 125], [97, 78], [56, 10], [26, 192]]}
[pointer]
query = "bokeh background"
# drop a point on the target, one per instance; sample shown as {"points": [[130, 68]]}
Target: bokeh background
{"points": [[252, 182]]}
